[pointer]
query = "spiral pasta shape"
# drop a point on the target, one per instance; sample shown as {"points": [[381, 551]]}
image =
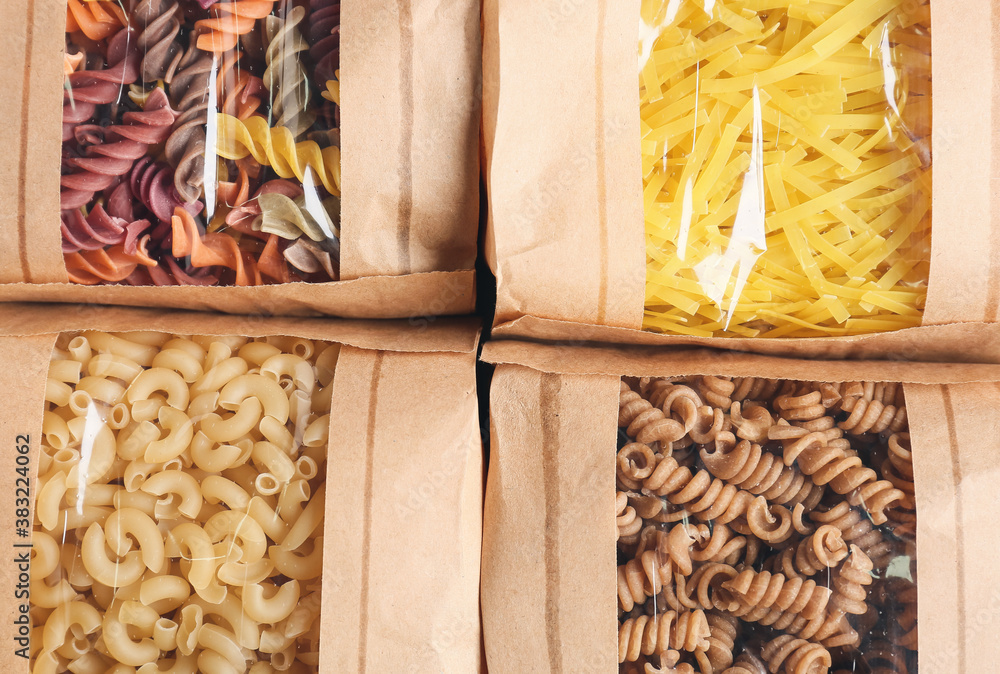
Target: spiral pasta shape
{"points": [[212, 249], [759, 591], [856, 529], [230, 19], [285, 76], [747, 664], [876, 408], [723, 630], [823, 549], [188, 85], [97, 19], [787, 655], [844, 473], [711, 499], [160, 22], [276, 147], [653, 635], [755, 389], [103, 163], [628, 522], [747, 466], [323, 35], [111, 265], [90, 232], [850, 581], [646, 422], [86, 89]]}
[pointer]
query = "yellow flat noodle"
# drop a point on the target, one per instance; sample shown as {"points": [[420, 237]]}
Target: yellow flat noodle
{"points": [[276, 147], [845, 169]]}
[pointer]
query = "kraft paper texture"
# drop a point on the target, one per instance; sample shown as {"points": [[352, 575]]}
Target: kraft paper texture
{"points": [[549, 585]]}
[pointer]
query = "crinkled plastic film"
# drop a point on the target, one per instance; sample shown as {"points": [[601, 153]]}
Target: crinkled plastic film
{"points": [[180, 503], [765, 527], [201, 142], [786, 166]]}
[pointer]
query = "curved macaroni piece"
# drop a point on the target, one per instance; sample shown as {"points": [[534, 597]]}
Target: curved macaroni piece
{"points": [[198, 561]]}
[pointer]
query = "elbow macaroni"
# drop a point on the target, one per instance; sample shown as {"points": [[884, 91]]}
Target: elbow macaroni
{"points": [[182, 490]]}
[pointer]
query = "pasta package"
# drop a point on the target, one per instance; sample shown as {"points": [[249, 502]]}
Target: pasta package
{"points": [[737, 513], [733, 173], [223, 495], [243, 144]]}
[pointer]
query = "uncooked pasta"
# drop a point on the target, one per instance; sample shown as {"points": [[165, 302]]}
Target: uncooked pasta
{"points": [[178, 115], [744, 550], [179, 516], [786, 166]]}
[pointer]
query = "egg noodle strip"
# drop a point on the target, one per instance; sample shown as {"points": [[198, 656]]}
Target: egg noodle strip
{"points": [[786, 166]]}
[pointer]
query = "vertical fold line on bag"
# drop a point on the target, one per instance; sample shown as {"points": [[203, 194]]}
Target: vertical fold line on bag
{"points": [[549, 404], [366, 525], [956, 474], [993, 273], [600, 153], [406, 99], [22, 175]]}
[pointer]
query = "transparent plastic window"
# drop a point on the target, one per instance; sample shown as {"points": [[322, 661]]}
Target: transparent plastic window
{"points": [[201, 142], [180, 504], [786, 165], [765, 526]]}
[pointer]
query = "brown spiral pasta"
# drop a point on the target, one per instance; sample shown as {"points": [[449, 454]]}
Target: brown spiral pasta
{"points": [[716, 391], [755, 389], [751, 421], [823, 549], [898, 469], [886, 658], [676, 401], [857, 530], [645, 422], [643, 577], [747, 466], [788, 655], [628, 522], [723, 630], [850, 581], [873, 408], [845, 474], [652, 635], [720, 539], [761, 590], [636, 462], [708, 498], [904, 592], [747, 664], [160, 22], [805, 407], [189, 81]]}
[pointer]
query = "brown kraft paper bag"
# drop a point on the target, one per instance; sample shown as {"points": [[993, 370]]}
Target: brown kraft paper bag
{"points": [[549, 567], [565, 235], [403, 483], [409, 165]]}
